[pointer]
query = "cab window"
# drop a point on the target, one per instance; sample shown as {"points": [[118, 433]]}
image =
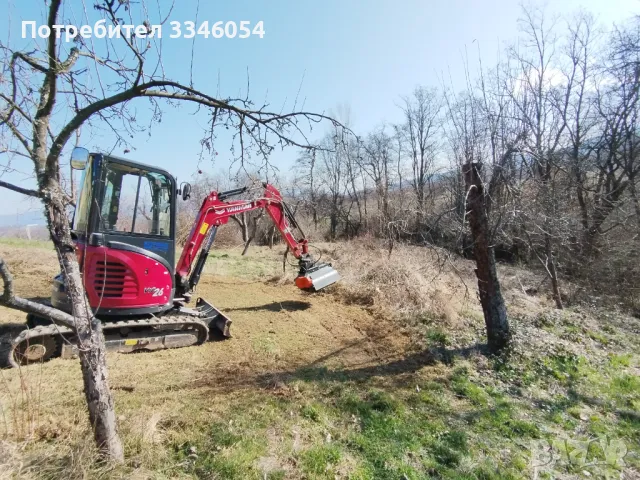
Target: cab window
{"points": [[135, 201], [81, 217]]}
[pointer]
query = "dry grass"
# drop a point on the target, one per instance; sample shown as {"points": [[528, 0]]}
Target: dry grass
{"points": [[423, 282], [410, 281], [21, 412]]}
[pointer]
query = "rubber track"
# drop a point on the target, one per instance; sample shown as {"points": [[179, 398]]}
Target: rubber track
{"points": [[169, 320]]}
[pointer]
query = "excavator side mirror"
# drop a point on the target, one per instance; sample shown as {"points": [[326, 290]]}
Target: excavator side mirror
{"points": [[79, 158], [186, 191]]}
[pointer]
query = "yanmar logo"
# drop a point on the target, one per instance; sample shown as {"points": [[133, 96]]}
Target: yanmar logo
{"points": [[238, 208]]}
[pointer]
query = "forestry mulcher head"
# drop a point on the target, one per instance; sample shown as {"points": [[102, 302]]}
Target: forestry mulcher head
{"points": [[315, 276]]}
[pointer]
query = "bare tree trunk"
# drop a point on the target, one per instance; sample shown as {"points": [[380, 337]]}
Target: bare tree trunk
{"points": [[364, 201], [421, 210], [254, 230], [333, 219], [272, 234], [493, 306], [284, 259], [553, 273], [244, 226], [243, 223], [246, 245], [91, 345]]}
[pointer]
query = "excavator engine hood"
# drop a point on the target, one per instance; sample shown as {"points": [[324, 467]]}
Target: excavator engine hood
{"points": [[317, 277]]}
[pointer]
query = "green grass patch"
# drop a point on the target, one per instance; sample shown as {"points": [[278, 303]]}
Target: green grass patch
{"points": [[24, 243], [503, 420], [565, 368], [438, 336], [230, 262], [625, 391], [458, 423], [450, 426], [320, 461], [311, 412], [461, 385], [620, 360], [626, 385], [220, 451], [599, 337], [402, 437]]}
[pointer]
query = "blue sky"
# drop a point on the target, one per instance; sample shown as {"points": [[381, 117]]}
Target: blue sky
{"points": [[360, 53]]}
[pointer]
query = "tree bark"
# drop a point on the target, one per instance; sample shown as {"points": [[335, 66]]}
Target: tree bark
{"points": [[254, 230], [553, 273], [91, 345], [245, 227], [493, 306], [272, 234], [420, 201]]}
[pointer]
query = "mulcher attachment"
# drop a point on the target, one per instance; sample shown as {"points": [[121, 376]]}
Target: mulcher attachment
{"points": [[315, 276]]}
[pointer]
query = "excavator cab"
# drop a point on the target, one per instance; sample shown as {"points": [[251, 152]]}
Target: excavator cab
{"points": [[124, 228]]}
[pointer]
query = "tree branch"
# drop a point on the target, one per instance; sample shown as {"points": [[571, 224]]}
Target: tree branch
{"points": [[24, 191], [17, 133], [9, 299], [184, 93], [32, 62]]}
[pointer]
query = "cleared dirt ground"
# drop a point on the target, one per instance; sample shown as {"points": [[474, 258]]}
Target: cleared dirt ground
{"points": [[274, 325]]}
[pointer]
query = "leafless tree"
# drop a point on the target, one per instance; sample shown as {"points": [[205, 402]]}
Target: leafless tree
{"points": [[471, 119], [616, 154], [421, 132], [50, 91], [356, 185], [307, 170], [542, 105], [579, 117], [493, 306], [377, 163], [332, 174]]}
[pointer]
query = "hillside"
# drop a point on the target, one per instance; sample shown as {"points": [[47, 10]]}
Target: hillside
{"points": [[384, 376]]}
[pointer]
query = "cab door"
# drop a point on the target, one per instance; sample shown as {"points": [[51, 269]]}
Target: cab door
{"points": [[129, 257]]}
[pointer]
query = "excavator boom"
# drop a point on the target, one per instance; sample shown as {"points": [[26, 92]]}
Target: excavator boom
{"points": [[216, 211]]}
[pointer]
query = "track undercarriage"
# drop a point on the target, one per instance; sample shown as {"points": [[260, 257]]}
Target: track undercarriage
{"points": [[179, 327]]}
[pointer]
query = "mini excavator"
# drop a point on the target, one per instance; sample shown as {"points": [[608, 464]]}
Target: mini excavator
{"points": [[124, 228]]}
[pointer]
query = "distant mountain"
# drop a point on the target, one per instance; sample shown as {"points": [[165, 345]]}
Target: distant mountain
{"points": [[31, 217]]}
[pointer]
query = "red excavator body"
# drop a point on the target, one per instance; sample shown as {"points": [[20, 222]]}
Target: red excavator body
{"points": [[124, 227], [123, 280]]}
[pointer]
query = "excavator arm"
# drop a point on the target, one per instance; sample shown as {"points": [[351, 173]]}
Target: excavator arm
{"points": [[215, 211]]}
